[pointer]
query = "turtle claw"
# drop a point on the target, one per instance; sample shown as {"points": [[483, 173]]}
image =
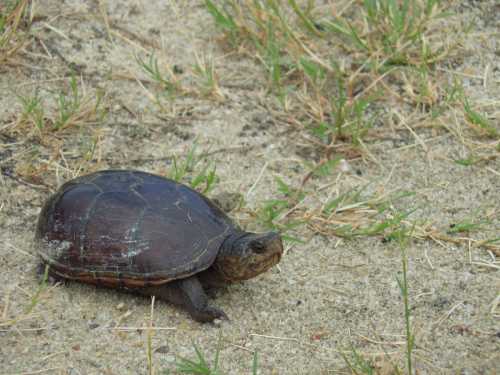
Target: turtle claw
{"points": [[221, 315], [209, 314]]}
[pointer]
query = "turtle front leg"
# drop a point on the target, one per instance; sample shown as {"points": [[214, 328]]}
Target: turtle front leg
{"points": [[189, 294]]}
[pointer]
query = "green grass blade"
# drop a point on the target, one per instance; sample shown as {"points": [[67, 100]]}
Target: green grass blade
{"points": [[222, 19]]}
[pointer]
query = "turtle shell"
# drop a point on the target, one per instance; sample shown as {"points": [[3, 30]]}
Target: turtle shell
{"points": [[129, 229]]}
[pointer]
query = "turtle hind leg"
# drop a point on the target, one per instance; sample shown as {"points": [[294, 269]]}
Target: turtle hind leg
{"points": [[189, 294], [45, 276]]}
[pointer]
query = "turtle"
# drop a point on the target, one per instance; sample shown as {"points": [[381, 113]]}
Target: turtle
{"points": [[140, 232]]}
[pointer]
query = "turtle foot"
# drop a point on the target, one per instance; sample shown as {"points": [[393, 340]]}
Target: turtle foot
{"points": [[208, 314]]}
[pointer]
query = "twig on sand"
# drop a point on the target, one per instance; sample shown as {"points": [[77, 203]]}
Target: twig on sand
{"points": [[275, 337], [51, 369], [142, 328]]}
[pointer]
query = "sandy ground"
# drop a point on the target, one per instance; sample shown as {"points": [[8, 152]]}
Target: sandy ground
{"points": [[326, 295]]}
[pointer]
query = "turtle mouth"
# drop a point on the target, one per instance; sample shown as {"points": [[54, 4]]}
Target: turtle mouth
{"points": [[235, 270], [262, 264], [270, 262]]}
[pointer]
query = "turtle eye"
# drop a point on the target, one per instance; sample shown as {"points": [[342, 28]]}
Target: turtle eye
{"points": [[258, 247]]}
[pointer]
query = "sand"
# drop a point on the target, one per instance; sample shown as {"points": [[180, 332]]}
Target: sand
{"points": [[327, 295]]}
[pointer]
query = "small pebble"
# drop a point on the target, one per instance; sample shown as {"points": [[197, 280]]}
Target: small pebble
{"points": [[217, 322], [344, 165], [161, 349]]}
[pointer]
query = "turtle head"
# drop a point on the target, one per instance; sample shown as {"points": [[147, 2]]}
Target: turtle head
{"points": [[247, 255]]}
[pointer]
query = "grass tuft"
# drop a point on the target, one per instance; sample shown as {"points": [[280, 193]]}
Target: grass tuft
{"points": [[200, 366], [195, 170], [51, 120], [335, 73], [70, 108], [168, 82], [204, 69], [479, 122]]}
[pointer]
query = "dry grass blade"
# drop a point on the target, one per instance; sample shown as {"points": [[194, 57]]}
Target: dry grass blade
{"points": [[149, 338], [146, 328], [436, 235], [51, 370], [11, 39]]}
